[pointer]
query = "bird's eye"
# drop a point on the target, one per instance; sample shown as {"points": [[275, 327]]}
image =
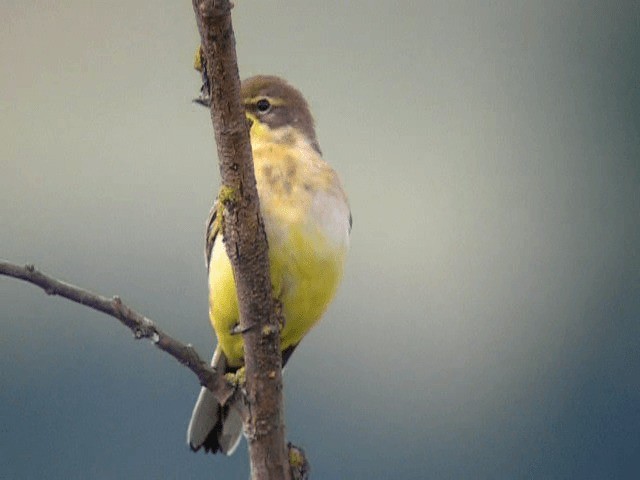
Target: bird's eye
{"points": [[263, 105]]}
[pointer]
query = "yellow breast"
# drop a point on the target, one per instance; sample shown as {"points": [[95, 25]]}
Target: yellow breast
{"points": [[306, 218]]}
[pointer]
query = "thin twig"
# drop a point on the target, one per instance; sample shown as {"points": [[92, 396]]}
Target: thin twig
{"points": [[141, 326]]}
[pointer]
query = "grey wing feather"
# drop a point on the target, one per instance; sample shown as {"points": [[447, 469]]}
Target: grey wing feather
{"points": [[206, 411], [212, 229], [211, 426]]}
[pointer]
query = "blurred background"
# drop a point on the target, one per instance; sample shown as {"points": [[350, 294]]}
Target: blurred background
{"points": [[488, 325]]}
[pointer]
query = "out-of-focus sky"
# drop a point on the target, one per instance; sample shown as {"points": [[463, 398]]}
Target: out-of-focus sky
{"points": [[489, 320]]}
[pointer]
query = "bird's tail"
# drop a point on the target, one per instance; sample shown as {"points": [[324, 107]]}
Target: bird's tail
{"points": [[212, 426]]}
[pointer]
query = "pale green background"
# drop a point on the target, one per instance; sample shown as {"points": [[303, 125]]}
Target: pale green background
{"points": [[489, 322]]}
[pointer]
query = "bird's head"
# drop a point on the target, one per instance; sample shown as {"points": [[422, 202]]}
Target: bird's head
{"points": [[277, 109]]}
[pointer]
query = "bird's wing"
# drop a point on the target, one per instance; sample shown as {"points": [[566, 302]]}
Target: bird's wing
{"points": [[213, 227]]}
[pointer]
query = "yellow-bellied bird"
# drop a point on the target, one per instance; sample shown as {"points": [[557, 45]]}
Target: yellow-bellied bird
{"points": [[307, 221]]}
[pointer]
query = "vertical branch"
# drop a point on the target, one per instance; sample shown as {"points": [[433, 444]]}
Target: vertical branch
{"points": [[246, 244]]}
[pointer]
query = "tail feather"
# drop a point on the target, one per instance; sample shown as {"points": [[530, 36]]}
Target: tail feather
{"points": [[214, 427], [226, 433]]}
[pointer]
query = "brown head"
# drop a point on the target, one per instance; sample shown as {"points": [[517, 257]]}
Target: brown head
{"points": [[275, 103]]}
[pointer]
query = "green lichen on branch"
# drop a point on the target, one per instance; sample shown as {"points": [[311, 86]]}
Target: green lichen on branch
{"points": [[226, 198], [298, 462]]}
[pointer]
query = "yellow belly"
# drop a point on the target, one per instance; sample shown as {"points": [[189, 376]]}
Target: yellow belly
{"points": [[306, 256], [303, 282]]}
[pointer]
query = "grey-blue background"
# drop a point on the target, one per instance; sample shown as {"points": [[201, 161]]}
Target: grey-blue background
{"points": [[489, 321]]}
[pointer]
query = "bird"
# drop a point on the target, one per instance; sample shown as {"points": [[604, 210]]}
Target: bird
{"points": [[307, 221]]}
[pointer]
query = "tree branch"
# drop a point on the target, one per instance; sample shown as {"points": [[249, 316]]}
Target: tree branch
{"points": [[140, 325], [246, 244]]}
